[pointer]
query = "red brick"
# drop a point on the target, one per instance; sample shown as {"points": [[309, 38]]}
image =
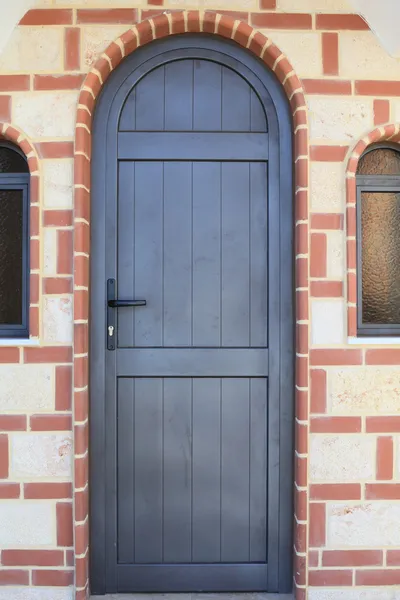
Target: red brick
{"points": [[340, 21], [301, 437], [57, 218], [51, 422], [81, 338], [5, 108], [81, 571], [301, 471], [156, 2], [335, 357], [64, 524], [313, 558], [302, 305], [63, 388], [82, 238], [81, 505], [317, 525], [384, 458], [12, 423], [82, 538], [9, 491], [335, 425], [72, 49], [393, 558], [301, 272], [351, 254], [383, 424], [302, 338], [335, 491], [318, 255], [384, 356], [53, 578], [381, 111], [327, 86], [300, 537], [9, 355], [57, 82], [48, 354], [282, 20], [382, 491], [378, 577], [352, 558], [328, 154], [47, 16], [34, 558], [81, 471], [318, 391], [301, 399], [301, 173], [81, 438], [57, 285], [69, 558], [377, 88], [267, 4], [81, 405], [107, 15], [302, 372], [300, 499], [326, 289], [351, 220], [3, 456], [81, 305], [330, 53], [34, 321], [65, 252], [34, 288], [324, 578], [44, 491], [14, 577]]}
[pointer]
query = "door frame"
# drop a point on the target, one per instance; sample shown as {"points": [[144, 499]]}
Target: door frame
{"points": [[278, 109]]}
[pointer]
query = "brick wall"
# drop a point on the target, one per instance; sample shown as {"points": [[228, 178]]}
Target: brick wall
{"points": [[348, 427]]}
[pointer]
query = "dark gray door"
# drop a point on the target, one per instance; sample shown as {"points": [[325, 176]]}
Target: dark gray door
{"points": [[188, 412]]}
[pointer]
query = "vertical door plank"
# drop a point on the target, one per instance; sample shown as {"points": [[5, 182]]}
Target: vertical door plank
{"points": [[177, 469], [148, 236], [125, 469], [206, 544], [177, 254], [206, 254], [258, 120], [148, 470], [235, 102], [127, 121], [179, 96], [207, 96], [150, 101], [235, 471], [235, 254]]}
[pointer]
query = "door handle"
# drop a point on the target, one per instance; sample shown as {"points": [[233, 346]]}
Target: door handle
{"points": [[113, 302]]}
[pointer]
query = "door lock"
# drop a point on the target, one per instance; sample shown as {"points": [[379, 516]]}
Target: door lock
{"points": [[111, 330]]}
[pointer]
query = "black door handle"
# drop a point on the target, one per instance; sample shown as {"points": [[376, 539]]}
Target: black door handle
{"points": [[122, 303]]}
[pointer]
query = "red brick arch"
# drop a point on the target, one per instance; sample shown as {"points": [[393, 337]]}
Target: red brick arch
{"points": [[384, 133], [181, 22]]}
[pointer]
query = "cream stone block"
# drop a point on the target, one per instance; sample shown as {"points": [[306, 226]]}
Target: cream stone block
{"points": [[369, 60], [315, 5], [395, 110], [370, 593], [50, 251], [370, 525], [327, 187], [46, 114], [364, 390], [100, 3], [341, 457], [30, 50], [302, 49], [336, 254], [58, 181], [327, 322], [27, 388], [57, 319], [40, 455], [26, 524], [95, 40], [36, 593], [341, 119]]}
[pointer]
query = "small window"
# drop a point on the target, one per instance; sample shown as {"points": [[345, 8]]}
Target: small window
{"points": [[14, 242], [378, 241]]}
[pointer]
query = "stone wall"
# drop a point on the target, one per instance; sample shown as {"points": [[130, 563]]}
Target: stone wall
{"points": [[347, 534]]}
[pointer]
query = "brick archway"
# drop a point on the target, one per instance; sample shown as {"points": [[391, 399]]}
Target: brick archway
{"points": [[181, 22]]}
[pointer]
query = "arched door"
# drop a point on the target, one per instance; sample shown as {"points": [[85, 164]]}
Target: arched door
{"points": [[191, 324]]}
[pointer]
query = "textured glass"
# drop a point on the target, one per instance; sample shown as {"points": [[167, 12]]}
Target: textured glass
{"points": [[12, 162], [382, 161], [11, 257], [380, 221]]}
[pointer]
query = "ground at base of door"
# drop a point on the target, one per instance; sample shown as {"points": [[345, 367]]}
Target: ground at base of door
{"points": [[232, 596]]}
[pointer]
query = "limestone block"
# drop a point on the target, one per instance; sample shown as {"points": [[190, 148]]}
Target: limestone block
{"points": [[341, 457], [340, 119], [315, 5], [364, 390], [57, 319], [336, 254], [327, 187], [96, 38], [36, 593], [369, 60], [27, 388], [302, 49], [40, 455], [370, 525], [58, 183], [50, 251], [46, 114], [30, 50], [327, 322], [369, 593], [26, 524]]}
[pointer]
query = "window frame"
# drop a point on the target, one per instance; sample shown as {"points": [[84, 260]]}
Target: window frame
{"points": [[372, 183], [20, 181]]}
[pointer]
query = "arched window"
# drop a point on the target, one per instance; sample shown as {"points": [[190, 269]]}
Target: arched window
{"points": [[378, 241], [14, 242]]}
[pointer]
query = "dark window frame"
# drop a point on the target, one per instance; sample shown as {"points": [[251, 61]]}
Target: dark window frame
{"points": [[20, 181], [372, 183]]}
